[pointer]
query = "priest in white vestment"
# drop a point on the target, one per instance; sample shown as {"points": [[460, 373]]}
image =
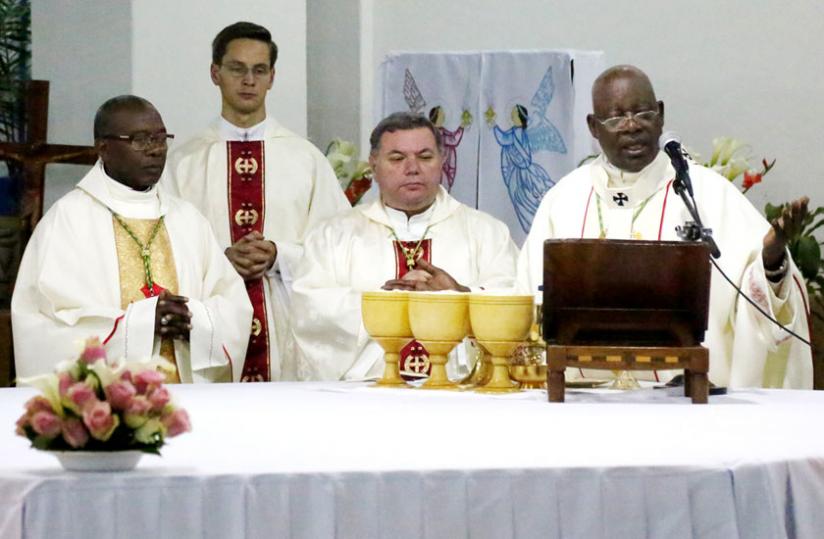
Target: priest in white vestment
{"points": [[260, 186], [627, 192], [141, 270], [414, 237]]}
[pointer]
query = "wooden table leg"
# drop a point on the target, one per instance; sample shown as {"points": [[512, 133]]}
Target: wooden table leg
{"points": [[687, 383], [700, 388], [557, 386], [699, 367], [556, 380]]}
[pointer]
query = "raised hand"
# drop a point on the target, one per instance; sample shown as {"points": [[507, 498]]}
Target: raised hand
{"points": [[784, 227]]}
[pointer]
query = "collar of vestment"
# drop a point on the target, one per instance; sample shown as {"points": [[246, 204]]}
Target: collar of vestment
{"points": [[271, 129], [121, 199], [442, 208], [230, 131], [409, 228], [623, 190]]}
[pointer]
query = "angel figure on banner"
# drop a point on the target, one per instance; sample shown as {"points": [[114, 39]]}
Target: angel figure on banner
{"points": [[451, 139], [525, 180]]}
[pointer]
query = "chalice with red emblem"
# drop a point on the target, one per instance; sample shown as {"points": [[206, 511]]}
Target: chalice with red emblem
{"points": [[439, 321]]}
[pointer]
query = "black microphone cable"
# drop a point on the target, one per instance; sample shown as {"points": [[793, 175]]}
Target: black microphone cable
{"points": [[758, 307]]}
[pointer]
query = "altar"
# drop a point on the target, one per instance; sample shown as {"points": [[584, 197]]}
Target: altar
{"points": [[343, 460]]}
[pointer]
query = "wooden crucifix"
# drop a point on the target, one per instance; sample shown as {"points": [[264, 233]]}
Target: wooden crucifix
{"points": [[35, 153]]}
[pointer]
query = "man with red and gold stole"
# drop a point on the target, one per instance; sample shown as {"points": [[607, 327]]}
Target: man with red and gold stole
{"points": [[415, 237], [260, 186], [138, 268]]}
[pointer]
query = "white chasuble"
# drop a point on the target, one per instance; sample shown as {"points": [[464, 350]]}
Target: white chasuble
{"points": [[356, 252], [300, 190], [69, 285], [746, 350]]}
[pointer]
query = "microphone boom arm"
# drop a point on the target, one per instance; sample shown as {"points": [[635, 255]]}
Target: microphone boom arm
{"points": [[692, 230]]}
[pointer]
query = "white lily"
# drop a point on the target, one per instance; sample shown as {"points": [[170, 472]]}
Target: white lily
{"points": [[724, 148], [343, 156], [734, 168], [49, 386], [106, 373]]}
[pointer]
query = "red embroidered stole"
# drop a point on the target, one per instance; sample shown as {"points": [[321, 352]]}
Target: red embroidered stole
{"points": [[247, 209], [414, 362]]}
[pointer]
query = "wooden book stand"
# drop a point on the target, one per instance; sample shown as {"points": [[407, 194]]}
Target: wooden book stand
{"points": [[626, 305]]}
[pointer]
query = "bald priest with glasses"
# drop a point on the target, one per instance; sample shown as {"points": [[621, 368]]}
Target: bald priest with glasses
{"points": [[141, 270], [627, 193]]}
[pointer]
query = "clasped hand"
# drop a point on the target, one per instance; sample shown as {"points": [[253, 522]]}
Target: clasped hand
{"points": [[425, 277], [172, 317], [252, 255]]}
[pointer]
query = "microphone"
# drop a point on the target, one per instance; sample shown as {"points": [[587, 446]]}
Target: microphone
{"points": [[671, 144]]}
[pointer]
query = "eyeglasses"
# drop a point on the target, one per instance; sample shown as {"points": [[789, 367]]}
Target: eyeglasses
{"points": [[143, 141], [645, 117], [239, 71]]}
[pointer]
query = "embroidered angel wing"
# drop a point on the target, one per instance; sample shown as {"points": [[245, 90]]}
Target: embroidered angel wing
{"points": [[542, 134], [412, 94]]}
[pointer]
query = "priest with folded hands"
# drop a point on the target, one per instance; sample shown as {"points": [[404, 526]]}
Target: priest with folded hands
{"points": [[117, 259], [415, 236]]}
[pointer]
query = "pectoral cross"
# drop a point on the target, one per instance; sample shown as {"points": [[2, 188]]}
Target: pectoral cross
{"points": [[620, 198], [411, 256]]}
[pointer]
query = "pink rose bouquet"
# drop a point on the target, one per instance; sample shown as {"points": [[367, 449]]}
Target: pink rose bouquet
{"points": [[92, 404]]}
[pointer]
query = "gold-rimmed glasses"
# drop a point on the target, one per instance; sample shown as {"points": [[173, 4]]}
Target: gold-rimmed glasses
{"points": [[644, 117]]}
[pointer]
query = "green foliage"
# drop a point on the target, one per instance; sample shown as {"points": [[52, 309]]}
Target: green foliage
{"points": [[15, 37], [15, 61]]}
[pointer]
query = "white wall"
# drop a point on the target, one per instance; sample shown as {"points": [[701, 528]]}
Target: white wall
{"points": [[161, 50], [749, 69], [332, 54], [172, 51], [745, 68], [86, 63]]}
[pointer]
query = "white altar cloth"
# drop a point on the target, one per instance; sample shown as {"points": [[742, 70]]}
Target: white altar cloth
{"points": [[336, 460]]}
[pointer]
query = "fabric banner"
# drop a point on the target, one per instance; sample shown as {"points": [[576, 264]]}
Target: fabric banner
{"points": [[524, 127]]}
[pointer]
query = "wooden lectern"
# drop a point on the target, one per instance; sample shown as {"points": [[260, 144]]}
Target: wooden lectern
{"points": [[626, 305]]}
